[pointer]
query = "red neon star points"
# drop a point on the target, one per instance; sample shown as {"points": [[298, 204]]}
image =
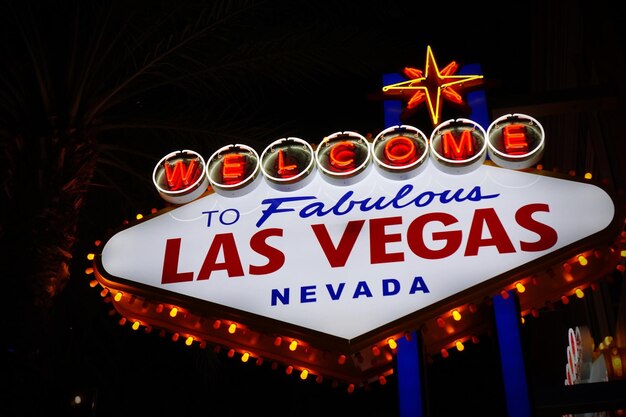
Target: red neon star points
{"points": [[432, 86]]}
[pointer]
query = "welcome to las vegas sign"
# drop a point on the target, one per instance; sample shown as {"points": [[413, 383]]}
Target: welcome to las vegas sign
{"points": [[343, 238]]}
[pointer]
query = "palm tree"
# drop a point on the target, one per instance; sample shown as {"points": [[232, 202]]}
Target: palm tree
{"points": [[93, 93]]}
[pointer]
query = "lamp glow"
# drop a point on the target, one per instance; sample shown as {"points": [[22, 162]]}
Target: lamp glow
{"points": [[456, 315]]}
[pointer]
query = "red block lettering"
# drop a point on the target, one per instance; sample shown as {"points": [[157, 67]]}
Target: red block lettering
{"points": [[464, 149], [514, 137]]}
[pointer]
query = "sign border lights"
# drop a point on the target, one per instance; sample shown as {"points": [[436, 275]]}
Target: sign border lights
{"points": [[176, 166], [524, 127]]}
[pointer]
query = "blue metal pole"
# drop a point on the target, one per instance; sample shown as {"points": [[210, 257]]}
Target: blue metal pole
{"points": [[510, 344]]}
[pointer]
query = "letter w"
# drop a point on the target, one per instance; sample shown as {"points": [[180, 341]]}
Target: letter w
{"points": [[182, 175]]}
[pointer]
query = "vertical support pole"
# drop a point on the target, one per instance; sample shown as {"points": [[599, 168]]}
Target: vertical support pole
{"points": [[408, 354], [409, 376], [509, 340]]}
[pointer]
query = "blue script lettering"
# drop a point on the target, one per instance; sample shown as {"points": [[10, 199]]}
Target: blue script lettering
{"points": [[346, 203]]}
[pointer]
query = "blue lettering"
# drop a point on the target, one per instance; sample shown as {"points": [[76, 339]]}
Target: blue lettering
{"points": [[307, 294], [389, 287], [274, 203], [389, 291], [418, 285], [345, 204], [277, 296], [362, 289], [335, 294]]}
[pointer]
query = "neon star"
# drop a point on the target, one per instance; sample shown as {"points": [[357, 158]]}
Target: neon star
{"points": [[433, 86]]}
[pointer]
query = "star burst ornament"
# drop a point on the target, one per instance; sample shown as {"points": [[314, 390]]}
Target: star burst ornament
{"points": [[433, 86]]}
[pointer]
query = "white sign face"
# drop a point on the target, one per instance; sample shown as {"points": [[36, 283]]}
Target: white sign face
{"points": [[345, 260]]}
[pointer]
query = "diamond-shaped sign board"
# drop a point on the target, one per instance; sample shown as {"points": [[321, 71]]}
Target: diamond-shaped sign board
{"points": [[339, 261]]}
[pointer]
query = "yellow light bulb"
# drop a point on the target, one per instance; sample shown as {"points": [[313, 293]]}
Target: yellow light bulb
{"points": [[135, 325], [520, 287], [304, 374], [189, 341], [90, 256], [245, 357], [173, 312], [293, 345], [456, 315], [118, 296], [582, 260], [579, 293], [232, 328], [459, 346], [392, 343]]}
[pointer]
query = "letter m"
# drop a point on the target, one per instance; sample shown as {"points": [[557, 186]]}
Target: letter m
{"points": [[462, 149]]}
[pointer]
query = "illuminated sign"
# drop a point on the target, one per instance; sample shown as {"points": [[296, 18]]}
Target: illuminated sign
{"points": [[320, 246], [432, 86], [179, 177]]}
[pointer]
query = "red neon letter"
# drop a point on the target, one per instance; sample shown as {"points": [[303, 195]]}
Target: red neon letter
{"points": [[182, 175], [415, 237], [462, 150], [338, 256], [547, 235], [400, 151], [285, 171], [378, 241], [514, 137], [170, 264], [499, 238], [342, 156], [232, 262], [275, 258], [233, 168]]}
